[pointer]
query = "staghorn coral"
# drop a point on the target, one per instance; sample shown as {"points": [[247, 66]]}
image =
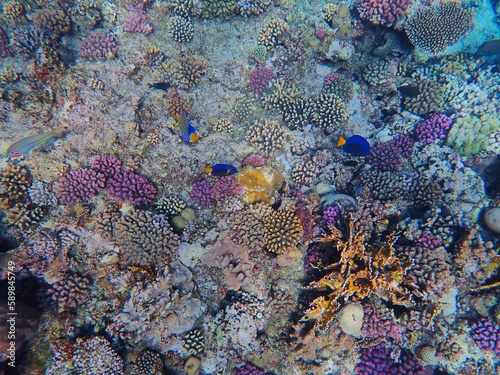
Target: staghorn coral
{"points": [[180, 29], [382, 12], [70, 292], [282, 231], [267, 136], [271, 33], [185, 72], [98, 45], [365, 268], [145, 239], [329, 112], [437, 27]]}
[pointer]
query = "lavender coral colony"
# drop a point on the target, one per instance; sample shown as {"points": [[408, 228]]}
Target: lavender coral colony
{"points": [[250, 187]]}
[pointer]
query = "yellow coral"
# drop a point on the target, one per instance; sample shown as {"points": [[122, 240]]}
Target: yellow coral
{"points": [[282, 231], [260, 183], [363, 269]]}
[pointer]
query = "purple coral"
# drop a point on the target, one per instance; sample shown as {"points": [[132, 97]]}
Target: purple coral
{"points": [[226, 187], [317, 254], [248, 369], [486, 335], [4, 44], [378, 360], [99, 44], [260, 78], [131, 187], [330, 78], [331, 215], [201, 193], [433, 128], [379, 323], [80, 185], [136, 22], [387, 156], [109, 165], [382, 12], [429, 240]]}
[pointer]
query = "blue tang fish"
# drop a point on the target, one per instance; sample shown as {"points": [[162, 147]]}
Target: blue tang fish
{"points": [[186, 130], [355, 145], [221, 170]]}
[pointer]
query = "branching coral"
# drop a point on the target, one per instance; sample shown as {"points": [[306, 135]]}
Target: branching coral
{"points": [[186, 72], [267, 136], [272, 32], [282, 231]]}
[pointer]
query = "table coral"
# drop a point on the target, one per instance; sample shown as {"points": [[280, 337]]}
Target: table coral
{"points": [[439, 26]]}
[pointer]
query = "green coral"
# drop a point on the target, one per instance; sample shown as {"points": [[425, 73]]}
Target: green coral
{"points": [[472, 134], [219, 8]]}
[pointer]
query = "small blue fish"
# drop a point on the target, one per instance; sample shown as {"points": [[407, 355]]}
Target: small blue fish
{"points": [[355, 145], [221, 170], [25, 145], [186, 130]]}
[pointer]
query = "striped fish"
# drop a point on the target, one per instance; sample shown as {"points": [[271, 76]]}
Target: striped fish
{"points": [[186, 130], [25, 145]]}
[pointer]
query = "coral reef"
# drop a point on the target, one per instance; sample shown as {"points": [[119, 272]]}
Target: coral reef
{"points": [[136, 22], [186, 72], [435, 127], [267, 136], [282, 231]]}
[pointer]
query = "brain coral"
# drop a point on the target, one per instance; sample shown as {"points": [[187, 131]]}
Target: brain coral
{"points": [[282, 231], [437, 27]]}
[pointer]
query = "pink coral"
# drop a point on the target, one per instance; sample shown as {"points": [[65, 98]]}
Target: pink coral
{"points": [[109, 165], [260, 78], [436, 127], [429, 240], [131, 187], [136, 22], [226, 187], [379, 322], [382, 12], [330, 78], [80, 185], [99, 44], [254, 161]]}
